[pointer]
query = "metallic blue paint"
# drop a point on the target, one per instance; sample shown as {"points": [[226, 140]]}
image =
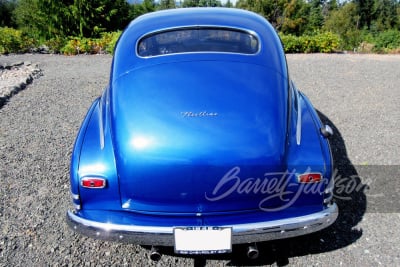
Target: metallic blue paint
{"points": [[247, 123]]}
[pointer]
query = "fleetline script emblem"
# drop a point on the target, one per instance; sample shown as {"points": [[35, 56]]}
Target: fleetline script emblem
{"points": [[189, 114]]}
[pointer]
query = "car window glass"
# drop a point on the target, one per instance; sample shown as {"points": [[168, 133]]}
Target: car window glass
{"points": [[197, 40]]}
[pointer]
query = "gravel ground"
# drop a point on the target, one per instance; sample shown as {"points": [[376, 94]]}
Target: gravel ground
{"points": [[357, 94]]}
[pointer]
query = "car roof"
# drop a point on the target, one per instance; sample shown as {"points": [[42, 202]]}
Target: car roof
{"points": [[270, 53], [228, 17]]}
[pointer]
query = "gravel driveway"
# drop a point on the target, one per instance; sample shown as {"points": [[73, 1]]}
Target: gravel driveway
{"points": [[357, 94]]}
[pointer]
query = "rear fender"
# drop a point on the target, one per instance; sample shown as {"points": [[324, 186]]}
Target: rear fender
{"points": [[93, 156], [308, 150]]}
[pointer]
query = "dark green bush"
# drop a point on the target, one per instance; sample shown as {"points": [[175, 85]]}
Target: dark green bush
{"points": [[387, 41]]}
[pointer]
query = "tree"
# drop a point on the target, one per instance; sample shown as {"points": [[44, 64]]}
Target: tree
{"points": [[190, 3], [93, 17], [84, 18], [315, 16], [210, 3], [148, 6], [364, 8], [295, 17], [345, 22], [6, 10], [166, 4], [31, 19], [137, 9], [59, 21], [228, 4], [384, 15], [272, 10]]}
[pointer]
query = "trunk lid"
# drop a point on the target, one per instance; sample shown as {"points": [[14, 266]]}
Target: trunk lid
{"points": [[189, 135]]}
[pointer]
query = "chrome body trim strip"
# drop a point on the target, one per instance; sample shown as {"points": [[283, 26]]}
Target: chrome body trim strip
{"points": [[74, 196], [298, 124], [191, 26], [241, 233]]}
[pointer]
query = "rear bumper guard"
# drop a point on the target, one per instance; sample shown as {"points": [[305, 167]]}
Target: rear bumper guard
{"points": [[241, 233]]}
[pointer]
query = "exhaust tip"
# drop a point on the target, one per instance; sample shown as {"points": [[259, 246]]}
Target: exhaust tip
{"points": [[155, 254], [252, 252]]}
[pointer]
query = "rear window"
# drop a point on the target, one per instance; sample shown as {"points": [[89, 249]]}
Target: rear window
{"points": [[199, 39]]}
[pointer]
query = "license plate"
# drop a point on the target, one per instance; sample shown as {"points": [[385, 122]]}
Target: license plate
{"points": [[203, 240]]}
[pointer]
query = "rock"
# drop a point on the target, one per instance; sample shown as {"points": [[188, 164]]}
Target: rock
{"points": [[15, 77]]}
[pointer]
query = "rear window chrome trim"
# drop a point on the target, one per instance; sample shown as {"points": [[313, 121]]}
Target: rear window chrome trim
{"points": [[206, 26]]}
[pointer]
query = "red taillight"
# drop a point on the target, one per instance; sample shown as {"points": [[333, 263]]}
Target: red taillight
{"points": [[310, 178], [93, 182]]}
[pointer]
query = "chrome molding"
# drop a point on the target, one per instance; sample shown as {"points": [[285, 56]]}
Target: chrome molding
{"points": [[298, 124], [74, 196], [190, 26], [241, 233], [101, 124]]}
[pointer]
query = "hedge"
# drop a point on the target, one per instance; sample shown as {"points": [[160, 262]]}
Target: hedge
{"points": [[325, 42], [16, 41]]}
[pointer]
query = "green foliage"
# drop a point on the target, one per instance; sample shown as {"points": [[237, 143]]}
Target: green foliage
{"points": [[48, 19], [14, 41], [166, 4], [272, 10], [55, 45], [93, 26], [385, 15], [387, 41], [288, 16], [109, 40], [294, 17], [378, 14], [76, 45], [6, 10], [291, 43], [345, 23], [30, 19], [136, 10], [201, 3], [325, 42]]}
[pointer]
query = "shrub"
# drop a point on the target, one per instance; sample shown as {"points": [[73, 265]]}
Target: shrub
{"points": [[75, 46], [105, 44], [291, 43], [55, 45], [366, 47], [325, 42], [112, 39], [387, 41], [14, 41]]}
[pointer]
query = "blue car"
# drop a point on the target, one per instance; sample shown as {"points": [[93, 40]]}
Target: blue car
{"points": [[201, 141]]}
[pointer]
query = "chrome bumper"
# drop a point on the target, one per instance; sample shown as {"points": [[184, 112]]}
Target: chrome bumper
{"points": [[241, 233]]}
